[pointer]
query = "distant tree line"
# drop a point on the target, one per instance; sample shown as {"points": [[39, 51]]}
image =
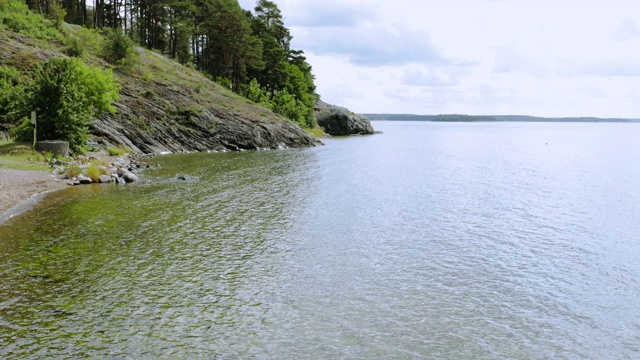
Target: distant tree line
{"points": [[247, 51]]}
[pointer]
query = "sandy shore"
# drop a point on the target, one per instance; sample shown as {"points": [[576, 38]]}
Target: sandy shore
{"points": [[16, 186]]}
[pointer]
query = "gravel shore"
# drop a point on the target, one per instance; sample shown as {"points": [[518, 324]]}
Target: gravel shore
{"points": [[19, 185]]}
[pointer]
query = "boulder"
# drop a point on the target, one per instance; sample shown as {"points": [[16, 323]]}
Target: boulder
{"points": [[84, 179], [337, 120], [130, 177], [105, 179]]}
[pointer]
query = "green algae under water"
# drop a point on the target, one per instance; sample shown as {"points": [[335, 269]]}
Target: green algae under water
{"points": [[448, 241]]}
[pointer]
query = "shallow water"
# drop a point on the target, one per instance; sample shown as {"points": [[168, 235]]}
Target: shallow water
{"points": [[436, 240]]}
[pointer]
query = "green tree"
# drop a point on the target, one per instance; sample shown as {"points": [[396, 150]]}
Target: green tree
{"points": [[66, 95], [257, 94], [231, 50]]}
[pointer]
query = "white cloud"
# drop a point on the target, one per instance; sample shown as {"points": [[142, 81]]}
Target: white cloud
{"points": [[628, 29], [372, 44], [508, 59], [538, 57]]}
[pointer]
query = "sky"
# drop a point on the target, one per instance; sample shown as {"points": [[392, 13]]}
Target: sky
{"points": [[485, 57]]}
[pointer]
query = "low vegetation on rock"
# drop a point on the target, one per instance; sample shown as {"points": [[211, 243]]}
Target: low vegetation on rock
{"points": [[187, 86]]}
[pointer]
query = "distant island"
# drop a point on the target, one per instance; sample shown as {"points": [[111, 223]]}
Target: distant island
{"points": [[495, 118]]}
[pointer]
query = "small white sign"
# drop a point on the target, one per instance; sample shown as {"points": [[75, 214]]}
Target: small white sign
{"points": [[33, 117]]}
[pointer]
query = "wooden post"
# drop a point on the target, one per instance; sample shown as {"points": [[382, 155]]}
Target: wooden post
{"points": [[35, 128]]}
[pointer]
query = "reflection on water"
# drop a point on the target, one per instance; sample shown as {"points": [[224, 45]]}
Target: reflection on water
{"points": [[432, 240]]}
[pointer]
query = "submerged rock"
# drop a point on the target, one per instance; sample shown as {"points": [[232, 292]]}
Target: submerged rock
{"points": [[130, 177], [337, 120]]}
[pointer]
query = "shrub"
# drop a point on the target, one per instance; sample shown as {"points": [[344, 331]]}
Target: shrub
{"points": [[74, 47], [57, 14], [118, 48], [16, 16], [13, 95], [22, 132], [89, 37], [66, 95]]}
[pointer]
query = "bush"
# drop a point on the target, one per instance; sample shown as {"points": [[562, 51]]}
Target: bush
{"points": [[57, 14], [118, 48], [13, 95], [74, 48], [22, 132], [16, 16], [66, 95]]}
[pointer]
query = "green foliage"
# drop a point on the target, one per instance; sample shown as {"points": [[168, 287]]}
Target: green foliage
{"points": [[93, 172], [16, 16], [57, 14], [257, 94], [90, 38], [23, 132], [13, 95], [73, 171], [231, 49], [285, 104], [74, 47], [199, 86], [118, 48], [224, 82], [66, 95], [26, 60], [117, 151], [316, 131]]}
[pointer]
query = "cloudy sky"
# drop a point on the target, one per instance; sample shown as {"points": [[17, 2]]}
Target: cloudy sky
{"points": [[533, 57]]}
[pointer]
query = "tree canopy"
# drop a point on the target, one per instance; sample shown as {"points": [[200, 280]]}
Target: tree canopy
{"points": [[231, 45]]}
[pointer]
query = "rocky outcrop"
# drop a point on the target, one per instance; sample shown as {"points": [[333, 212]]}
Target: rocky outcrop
{"points": [[337, 120], [175, 116], [166, 107]]}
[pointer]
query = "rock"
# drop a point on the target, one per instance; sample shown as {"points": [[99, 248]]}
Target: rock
{"points": [[337, 120], [58, 162], [84, 179], [121, 172], [105, 179], [103, 169], [178, 118], [121, 181], [130, 177]]}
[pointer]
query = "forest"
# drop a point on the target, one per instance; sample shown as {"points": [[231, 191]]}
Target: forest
{"points": [[246, 51]]}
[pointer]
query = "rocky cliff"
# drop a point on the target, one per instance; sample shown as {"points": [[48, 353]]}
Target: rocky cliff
{"points": [[336, 120], [167, 107]]}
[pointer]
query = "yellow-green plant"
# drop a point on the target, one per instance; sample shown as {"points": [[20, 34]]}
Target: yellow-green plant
{"points": [[73, 171], [93, 172], [118, 151]]}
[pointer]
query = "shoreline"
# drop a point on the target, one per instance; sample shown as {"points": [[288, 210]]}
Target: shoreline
{"points": [[20, 190]]}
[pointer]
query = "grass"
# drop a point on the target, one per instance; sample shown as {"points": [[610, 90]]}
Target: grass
{"points": [[117, 151], [316, 131], [93, 172], [73, 171], [20, 156]]}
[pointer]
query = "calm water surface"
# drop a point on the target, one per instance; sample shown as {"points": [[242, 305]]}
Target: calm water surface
{"points": [[433, 240]]}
